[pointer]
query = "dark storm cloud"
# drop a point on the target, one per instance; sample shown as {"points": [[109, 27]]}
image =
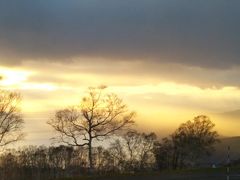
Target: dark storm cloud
{"points": [[198, 33]]}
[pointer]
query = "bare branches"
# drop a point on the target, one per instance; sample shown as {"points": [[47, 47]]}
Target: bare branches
{"points": [[99, 115], [11, 121], [69, 128]]}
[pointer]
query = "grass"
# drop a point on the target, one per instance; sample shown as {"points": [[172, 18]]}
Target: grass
{"points": [[189, 174]]}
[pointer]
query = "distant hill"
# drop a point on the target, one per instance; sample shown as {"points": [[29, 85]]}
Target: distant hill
{"points": [[220, 155], [232, 114]]}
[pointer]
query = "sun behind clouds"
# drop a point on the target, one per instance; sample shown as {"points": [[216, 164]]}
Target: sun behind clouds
{"points": [[12, 77]]}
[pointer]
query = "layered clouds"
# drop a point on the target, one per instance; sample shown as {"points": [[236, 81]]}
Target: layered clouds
{"points": [[192, 39], [193, 33]]}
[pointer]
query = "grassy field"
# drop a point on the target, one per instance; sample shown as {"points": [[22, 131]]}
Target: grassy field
{"points": [[197, 174]]}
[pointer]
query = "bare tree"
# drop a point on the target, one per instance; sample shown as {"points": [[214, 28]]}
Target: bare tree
{"points": [[98, 116], [134, 151], [164, 153], [118, 155], [140, 147], [11, 122]]}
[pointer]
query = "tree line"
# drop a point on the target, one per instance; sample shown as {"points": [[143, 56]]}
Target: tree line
{"points": [[100, 116]]}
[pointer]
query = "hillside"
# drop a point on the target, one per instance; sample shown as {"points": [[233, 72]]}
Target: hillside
{"points": [[221, 153]]}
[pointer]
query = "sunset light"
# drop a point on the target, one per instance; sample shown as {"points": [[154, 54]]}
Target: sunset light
{"points": [[132, 87], [12, 77]]}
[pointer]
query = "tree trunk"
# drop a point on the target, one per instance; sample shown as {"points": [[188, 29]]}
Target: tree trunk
{"points": [[90, 158]]}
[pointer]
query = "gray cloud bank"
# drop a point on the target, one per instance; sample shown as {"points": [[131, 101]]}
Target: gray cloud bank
{"points": [[193, 33]]}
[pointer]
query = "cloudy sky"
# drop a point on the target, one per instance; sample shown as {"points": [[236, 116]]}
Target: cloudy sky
{"points": [[168, 59]]}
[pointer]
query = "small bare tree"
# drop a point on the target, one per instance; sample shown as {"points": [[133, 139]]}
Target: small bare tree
{"points": [[139, 148], [11, 122], [98, 116]]}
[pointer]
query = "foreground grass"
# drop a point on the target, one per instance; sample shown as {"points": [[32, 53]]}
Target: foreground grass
{"points": [[190, 174]]}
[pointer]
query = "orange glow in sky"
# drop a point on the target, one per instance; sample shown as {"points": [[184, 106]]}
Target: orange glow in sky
{"points": [[160, 106]]}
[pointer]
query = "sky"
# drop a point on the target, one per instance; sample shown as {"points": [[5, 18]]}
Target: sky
{"points": [[169, 60]]}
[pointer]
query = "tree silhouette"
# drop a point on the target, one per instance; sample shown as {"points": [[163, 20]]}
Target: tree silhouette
{"points": [[11, 122], [140, 148], [188, 143], [134, 151], [195, 138], [98, 116]]}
